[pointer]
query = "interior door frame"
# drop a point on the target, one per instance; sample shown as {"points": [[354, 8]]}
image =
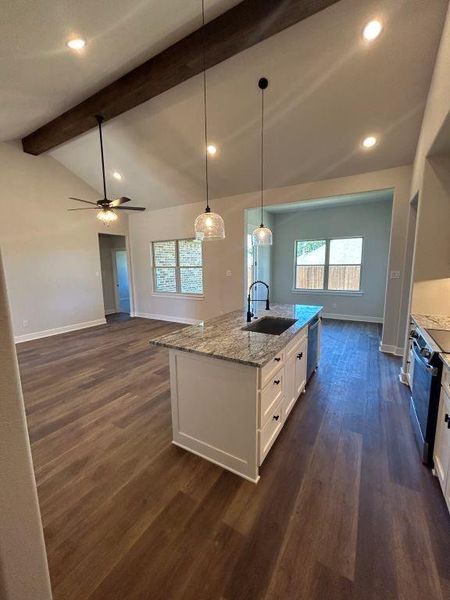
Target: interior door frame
{"points": [[130, 270]]}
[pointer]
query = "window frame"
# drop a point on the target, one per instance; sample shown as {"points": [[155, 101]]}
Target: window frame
{"points": [[326, 266], [178, 293]]}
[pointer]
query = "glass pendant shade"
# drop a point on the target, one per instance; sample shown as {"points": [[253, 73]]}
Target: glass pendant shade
{"points": [[107, 215], [262, 236], [209, 226]]}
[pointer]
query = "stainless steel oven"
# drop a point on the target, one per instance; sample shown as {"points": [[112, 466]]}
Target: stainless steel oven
{"points": [[425, 385]]}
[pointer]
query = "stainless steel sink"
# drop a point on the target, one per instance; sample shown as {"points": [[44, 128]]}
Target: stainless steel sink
{"points": [[271, 325]]}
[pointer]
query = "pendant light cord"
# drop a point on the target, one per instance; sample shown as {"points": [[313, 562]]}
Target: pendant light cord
{"points": [[99, 121], [262, 157], [205, 108]]}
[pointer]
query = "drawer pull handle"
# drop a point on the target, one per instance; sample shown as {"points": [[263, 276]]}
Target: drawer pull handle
{"points": [[277, 359], [277, 381], [276, 417], [300, 356]]}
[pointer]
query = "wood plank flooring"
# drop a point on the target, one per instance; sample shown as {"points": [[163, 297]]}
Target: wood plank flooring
{"points": [[344, 508]]}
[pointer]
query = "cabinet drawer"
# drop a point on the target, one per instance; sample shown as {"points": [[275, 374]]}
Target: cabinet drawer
{"points": [[291, 348], [271, 395], [270, 431], [268, 371]]}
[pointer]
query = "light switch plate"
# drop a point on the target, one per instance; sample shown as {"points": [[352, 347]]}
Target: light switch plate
{"points": [[228, 273]]}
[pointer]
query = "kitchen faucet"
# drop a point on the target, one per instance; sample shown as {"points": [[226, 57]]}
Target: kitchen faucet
{"points": [[249, 299]]}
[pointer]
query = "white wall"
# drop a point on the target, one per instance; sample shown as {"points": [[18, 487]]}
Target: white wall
{"points": [[437, 106], [431, 293], [371, 221], [424, 294], [431, 283], [23, 561], [51, 256], [224, 293]]}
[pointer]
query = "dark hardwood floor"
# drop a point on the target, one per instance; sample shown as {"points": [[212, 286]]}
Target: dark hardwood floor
{"points": [[344, 509]]}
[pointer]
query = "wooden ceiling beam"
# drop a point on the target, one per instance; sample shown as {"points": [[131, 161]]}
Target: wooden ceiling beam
{"points": [[241, 27]]}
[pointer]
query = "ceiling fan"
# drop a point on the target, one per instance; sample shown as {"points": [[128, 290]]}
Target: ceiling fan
{"points": [[106, 208]]}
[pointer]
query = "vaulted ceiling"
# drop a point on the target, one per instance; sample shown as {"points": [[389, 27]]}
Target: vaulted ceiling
{"points": [[328, 89], [40, 77]]}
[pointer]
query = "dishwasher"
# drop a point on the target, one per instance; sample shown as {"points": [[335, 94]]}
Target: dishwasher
{"points": [[313, 347]]}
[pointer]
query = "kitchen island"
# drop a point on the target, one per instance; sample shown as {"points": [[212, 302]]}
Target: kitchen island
{"points": [[232, 389]]}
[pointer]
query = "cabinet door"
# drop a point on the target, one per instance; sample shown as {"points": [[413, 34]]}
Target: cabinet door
{"points": [[442, 444], [289, 382], [300, 369]]}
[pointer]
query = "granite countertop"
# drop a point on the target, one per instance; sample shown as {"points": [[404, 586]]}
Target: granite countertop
{"points": [[431, 321], [223, 337], [425, 322]]}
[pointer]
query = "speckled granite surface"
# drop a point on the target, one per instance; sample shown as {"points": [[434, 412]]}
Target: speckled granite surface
{"points": [[432, 321], [425, 322], [223, 337]]}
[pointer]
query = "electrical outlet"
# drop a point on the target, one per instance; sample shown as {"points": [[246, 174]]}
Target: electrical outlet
{"points": [[395, 275], [228, 273], [333, 305], [25, 323]]}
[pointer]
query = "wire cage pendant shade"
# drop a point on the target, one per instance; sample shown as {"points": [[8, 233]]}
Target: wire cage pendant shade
{"points": [[208, 226], [262, 236]]}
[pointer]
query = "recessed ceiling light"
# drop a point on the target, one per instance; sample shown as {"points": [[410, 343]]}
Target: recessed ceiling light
{"points": [[372, 30], [370, 141], [76, 44], [211, 149], [117, 176]]}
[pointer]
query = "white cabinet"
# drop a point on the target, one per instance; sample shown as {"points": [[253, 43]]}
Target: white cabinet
{"points": [[300, 368], [295, 372], [442, 445], [230, 413]]}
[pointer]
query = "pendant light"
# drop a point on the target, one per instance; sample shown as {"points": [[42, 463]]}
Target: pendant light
{"points": [[262, 236], [208, 225]]}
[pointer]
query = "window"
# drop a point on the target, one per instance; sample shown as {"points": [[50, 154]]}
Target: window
{"points": [[178, 267], [333, 265]]}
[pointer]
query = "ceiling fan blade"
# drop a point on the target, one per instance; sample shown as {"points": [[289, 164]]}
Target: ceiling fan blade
{"points": [[129, 208], [119, 201], [94, 208], [85, 201]]}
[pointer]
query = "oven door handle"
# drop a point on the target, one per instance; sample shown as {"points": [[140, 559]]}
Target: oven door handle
{"points": [[431, 370]]}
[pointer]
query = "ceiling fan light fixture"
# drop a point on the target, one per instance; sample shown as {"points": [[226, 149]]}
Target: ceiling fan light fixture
{"points": [[106, 215], [104, 207]]}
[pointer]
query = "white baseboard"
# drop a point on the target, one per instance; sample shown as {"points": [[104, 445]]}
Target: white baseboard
{"points": [[57, 330], [388, 349], [157, 317], [352, 318], [404, 378]]}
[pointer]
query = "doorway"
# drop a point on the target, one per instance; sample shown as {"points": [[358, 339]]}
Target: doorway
{"points": [[115, 274]]}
